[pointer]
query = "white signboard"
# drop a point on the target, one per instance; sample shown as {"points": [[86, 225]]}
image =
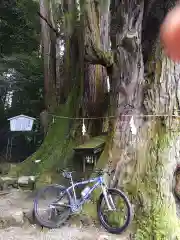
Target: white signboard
{"points": [[21, 123]]}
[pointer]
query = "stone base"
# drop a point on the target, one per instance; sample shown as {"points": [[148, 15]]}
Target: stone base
{"points": [[27, 182], [8, 182]]}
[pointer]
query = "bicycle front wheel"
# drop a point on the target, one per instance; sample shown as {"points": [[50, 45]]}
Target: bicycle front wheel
{"points": [[118, 219], [52, 206]]}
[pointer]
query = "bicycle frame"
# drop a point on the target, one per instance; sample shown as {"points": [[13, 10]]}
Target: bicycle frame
{"points": [[76, 204], [98, 181]]}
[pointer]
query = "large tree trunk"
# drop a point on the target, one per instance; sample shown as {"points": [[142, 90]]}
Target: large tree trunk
{"points": [[49, 53], [147, 163], [95, 79], [143, 168]]}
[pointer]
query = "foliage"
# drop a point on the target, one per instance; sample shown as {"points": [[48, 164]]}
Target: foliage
{"points": [[19, 39], [26, 83], [19, 27], [21, 68]]}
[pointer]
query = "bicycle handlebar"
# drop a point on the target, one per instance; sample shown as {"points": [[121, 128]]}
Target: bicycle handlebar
{"points": [[65, 170], [102, 171], [99, 171]]}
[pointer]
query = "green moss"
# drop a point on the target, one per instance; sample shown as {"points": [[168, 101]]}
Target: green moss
{"points": [[90, 210], [93, 143], [154, 218]]}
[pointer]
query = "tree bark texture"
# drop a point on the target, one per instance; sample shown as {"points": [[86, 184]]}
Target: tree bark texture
{"points": [[49, 54], [143, 168], [127, 71], [95, 78]]}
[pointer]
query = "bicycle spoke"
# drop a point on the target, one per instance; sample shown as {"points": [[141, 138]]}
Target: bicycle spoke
{"points": [[118, 214], [52, 207]]}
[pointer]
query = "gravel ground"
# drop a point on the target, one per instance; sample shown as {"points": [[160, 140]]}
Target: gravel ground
{"points": [[13, 225], [65, 233]]}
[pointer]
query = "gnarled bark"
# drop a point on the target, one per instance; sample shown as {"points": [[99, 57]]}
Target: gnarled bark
{"points": [[127, 75], [95, 79], [143, 168], [94, 52]]}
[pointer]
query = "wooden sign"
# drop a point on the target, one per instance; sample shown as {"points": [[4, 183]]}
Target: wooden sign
{"points": [[21, 123]]}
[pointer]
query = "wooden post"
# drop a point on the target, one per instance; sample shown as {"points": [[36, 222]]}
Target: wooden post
{"points": [[95, 160], [44, 120], [84, 164]]}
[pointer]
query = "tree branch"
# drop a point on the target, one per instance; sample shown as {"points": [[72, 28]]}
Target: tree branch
{"points": [[94, 53], [50, 25]]}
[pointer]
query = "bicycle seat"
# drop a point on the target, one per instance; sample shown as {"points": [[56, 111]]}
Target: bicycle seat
{"points": [[67, 174]]}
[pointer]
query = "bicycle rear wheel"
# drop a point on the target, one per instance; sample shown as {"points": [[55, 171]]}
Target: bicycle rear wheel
{"points": [[113, 220], [52, 212]]}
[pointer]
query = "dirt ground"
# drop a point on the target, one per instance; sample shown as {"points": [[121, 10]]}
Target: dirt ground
{"points": [[15, 208]]}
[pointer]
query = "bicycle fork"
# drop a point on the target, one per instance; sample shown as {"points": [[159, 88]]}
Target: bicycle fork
{"points": [[108, 199], [74, 193]]}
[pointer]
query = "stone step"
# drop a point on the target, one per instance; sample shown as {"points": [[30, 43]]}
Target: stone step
{"points": [[11, 217], [6, 182], [15, 208], [27, 182]]}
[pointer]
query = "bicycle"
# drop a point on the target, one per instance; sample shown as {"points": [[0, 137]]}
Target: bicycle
{"points": [[59, 212]]}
